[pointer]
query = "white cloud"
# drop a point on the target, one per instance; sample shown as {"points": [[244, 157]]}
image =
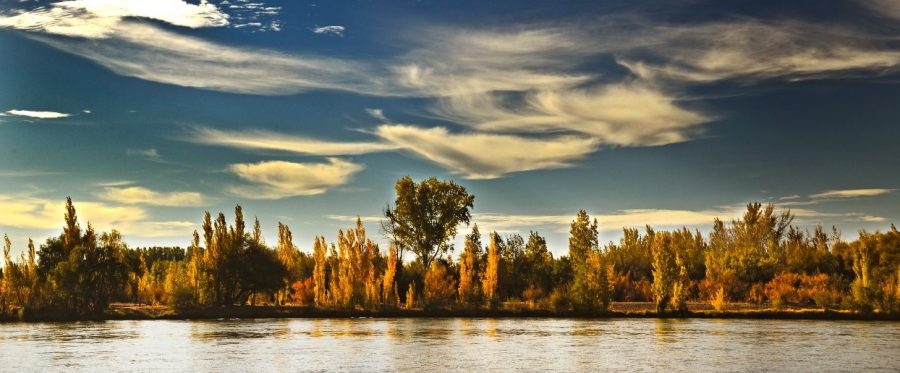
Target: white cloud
{"points": [[115, 183], [620, 114], [888, 8], [851, 193], [872, 219], [266, 140], [330, 30], [26, 173], [377, 114], [280, 179], [793, 50], [37, 114], [136, 195], [450, 62], [150, 153], [352, 218], [151, 53], [27, 212], [658, 218], [487, 156], [100, 18]]}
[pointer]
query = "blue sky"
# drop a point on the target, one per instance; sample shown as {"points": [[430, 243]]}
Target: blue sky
{"points": [[666, 113]]}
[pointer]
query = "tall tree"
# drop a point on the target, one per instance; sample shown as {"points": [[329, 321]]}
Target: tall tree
{"points": [[321, 296], [583, 238], [491, 278], [664, 270], [468, 267], [425, 216]]}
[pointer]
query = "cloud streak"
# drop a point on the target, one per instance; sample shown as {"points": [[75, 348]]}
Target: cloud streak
{"points": [[281, 179], [34, 114], [851, 193], [267, 140], [330, 30], [136, 195], [487, 156], [28, 212]]}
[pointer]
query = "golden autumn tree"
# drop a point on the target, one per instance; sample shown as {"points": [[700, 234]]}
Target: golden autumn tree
{"points": [[469, 289], [321, 295], [491, 278], [440, 287], [388, 280]]}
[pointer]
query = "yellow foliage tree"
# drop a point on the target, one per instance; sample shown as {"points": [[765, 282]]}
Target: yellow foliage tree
{"points": [[491, 277], [440, 287], [321, 296]]}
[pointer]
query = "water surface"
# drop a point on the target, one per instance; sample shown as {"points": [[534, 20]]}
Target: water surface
{"points": [[452, 344]]}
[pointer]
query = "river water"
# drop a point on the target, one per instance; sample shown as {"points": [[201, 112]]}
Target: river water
{"points": [[437, 345]]}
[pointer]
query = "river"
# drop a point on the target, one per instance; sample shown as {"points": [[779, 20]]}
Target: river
{"points": [[438, 345]]}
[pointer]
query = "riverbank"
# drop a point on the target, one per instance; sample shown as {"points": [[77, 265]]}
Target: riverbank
{"points": [[618, 310]]}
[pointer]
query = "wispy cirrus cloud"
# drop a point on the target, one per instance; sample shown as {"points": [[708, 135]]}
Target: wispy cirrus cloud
{"points": [[281, 179], [149, 153], [629, 218], [267, 140], [727, 50], [36, 114], [472, 155], [136, 195], [151, 53], [619, 114], [377, 114], [851, 193], [487, 156]]}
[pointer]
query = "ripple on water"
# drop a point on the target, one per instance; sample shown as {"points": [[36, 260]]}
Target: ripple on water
{"points": [[452, 345]]}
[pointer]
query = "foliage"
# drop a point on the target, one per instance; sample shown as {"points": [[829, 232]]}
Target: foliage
{"points": [[759, 257], [425, 216], [440, 287], [719, 302]]}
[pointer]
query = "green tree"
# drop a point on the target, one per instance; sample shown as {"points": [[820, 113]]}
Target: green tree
{"points": [[583, 238], [664, 270], [425, 216]]}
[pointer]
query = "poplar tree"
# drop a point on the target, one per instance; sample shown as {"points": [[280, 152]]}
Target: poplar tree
{"points": [[491, 278], [468, 268]]}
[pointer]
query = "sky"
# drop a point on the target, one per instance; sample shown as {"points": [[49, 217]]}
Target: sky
{"points": [[669, 113]]}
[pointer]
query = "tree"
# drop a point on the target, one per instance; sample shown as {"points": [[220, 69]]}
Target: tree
{"points": [[679, 288], [583, 238], [490, 281], [664, 272], [591, 288], [440, 287], [862, 288], [389, 281], [321, 296], [468, 267], [425, 216]]}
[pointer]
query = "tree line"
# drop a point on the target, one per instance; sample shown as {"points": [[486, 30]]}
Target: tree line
{"points": [[758, 258]]}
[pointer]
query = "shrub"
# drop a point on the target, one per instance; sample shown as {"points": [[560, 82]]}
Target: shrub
{"points": [[559, 300]]}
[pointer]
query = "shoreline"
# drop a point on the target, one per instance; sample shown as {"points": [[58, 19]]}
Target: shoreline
{"points": [[305, 312]]}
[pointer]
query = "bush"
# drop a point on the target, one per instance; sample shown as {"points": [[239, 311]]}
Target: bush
{"points": [[559, 300]]}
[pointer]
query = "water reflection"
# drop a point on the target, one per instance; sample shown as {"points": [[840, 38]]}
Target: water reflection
{"points": [[451, 344]]}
